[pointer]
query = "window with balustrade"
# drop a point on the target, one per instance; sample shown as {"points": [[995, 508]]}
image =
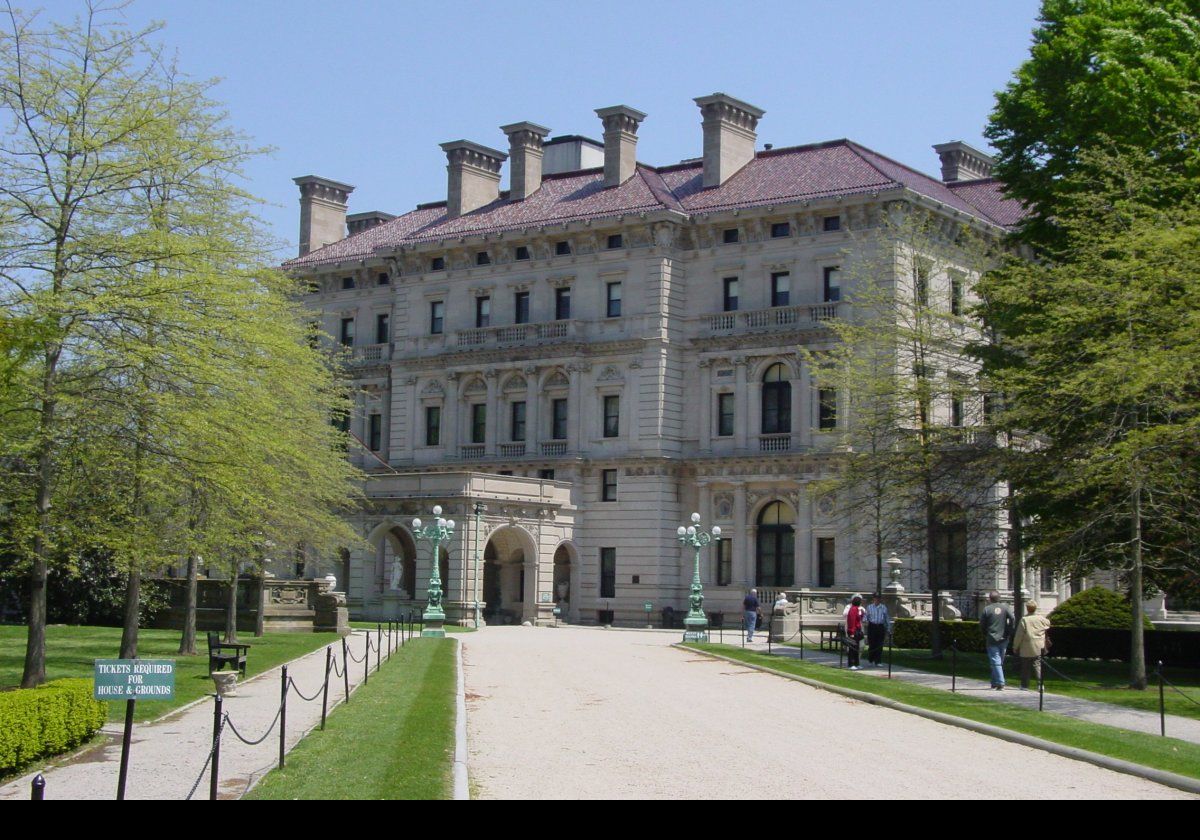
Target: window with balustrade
{"points": [[517, 424], [774, 560], [725, 414], [562, 304], [483, 312], [833, 283], [478, 423], [558, 419], [781, 288], [521, 308], [776, 401]]}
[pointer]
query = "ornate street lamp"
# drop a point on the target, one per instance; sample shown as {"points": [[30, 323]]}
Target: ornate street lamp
{"points": [[696, 624], [437, 532]]}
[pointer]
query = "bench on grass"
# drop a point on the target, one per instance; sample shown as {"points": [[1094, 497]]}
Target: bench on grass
{"points": [[221, 652]]}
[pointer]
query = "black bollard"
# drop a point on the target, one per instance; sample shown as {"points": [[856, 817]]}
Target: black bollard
{"points": [[37, 790], [770, 627], [841, 643], [367, 659], [126, 739], [1041, 680], [325, 687], [378, 646], [216, 748], [890, 640], [345, 670], [802, 640], [389, 641], [953, 666], [283, 692], [1162, 708]]}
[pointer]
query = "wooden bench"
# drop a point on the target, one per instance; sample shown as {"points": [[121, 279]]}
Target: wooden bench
{"points": [[217, 656], [832, 636]]}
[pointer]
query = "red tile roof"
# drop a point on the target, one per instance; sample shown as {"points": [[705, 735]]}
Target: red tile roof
{"points": [[779, 176]]}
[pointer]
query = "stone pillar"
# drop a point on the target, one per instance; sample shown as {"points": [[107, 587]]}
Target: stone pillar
{"points": [[450, 423], [575, 409], [754, 399], [741, 406], [802, 405], [533, 405], [414, 414], [707, 407], [743, 538], [491, 432], [806, 564]]}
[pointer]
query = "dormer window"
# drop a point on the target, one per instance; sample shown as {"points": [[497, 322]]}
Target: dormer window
{"points": [[779, 230], [522, 253], [615, 241], [729, 236], [562, 249], [483, 258], [437, 264], [832, 223], [347, 283]]}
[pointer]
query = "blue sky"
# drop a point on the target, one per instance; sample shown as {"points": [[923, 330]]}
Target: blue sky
{"points": [[363, 92]]}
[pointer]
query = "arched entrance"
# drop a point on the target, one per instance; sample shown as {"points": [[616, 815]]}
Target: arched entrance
{"points": [[507, 590], [403, 568], [562, 578], [775, 554]]}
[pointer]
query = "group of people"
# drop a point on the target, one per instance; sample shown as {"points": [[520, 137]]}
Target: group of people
{"points": [[872, 624]]}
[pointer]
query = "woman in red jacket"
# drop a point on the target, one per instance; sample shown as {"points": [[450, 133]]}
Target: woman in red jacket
{"points": [[854, 632]]}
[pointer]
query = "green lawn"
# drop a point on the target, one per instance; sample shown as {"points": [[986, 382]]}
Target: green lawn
{"points": [[1105, 682], [394, 740], [71, 650], [1170, 754]]}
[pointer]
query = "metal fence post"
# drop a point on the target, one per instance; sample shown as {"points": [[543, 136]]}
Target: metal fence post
{"points": [[367, 659], [37, 789], [953, 665], [378, 646], [802, 640], [345, 670], [126, 740], [891, 642], [1162, 708], [1041, 679], [216, 749], [283, 692], [325, 687]]}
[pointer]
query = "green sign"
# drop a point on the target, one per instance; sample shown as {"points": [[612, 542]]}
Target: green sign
{"points": [[649, 606], [135, 679]]}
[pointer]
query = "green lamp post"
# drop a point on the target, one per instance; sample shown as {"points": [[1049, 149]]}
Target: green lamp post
{"points": [[695, 626], [437, 532]]}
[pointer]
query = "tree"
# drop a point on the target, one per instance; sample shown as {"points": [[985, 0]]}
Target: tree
{"points": [[913, 472], [171, 378]]}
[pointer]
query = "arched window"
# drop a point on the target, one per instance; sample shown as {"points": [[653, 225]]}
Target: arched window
{"points": [[950, 547], [776, 401], [774, 556]]}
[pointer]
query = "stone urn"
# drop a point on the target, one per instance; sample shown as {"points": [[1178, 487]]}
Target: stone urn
{"points": [[226, 683]]}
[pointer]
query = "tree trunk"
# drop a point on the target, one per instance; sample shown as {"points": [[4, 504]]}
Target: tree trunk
{"points": [[935, 593], [1014, 557], [133, 599], [231, 609], [260, 613], [187, 642], [1137, 649]]}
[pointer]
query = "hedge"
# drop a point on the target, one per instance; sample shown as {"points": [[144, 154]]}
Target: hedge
{"points": [[914, 633], [1171, 647], [1097, 608], [43, 721]]}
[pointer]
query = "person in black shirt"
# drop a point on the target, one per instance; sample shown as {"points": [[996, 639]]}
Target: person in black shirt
{"points": [[750, 611]]}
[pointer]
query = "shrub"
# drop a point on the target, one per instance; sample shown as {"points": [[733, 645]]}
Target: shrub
{"points": [[1171, 647], [43, 721], [1096, 608], [915, 633]]}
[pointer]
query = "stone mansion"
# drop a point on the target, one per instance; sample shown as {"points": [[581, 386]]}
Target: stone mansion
{"points": [[572, 366]]}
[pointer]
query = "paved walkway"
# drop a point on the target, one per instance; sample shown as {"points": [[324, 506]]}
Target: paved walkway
{"points": [[587, 713], [1109, 714], [166, 757]]}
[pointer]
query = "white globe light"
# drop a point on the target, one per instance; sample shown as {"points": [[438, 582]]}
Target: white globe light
{"points": [[441, 522], [417, 524], [691, 530], [695, 517], [450, 524], [681, 531], [716, 530], [437, 510]]}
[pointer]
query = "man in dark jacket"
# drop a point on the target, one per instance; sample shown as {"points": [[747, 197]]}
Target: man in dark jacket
{"points": [[750, 611], [997, 624]]}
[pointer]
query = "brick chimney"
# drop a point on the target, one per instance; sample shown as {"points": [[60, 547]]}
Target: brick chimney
{"points": [[961, 162], [730, 131], [322, 211], [473, 176], [524, 158], [620, 142]]}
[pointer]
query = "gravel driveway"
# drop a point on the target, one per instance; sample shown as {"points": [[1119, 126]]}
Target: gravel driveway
{"points": [[572, 713]]}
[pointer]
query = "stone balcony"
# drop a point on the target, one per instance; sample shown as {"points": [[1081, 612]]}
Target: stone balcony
{"points": [[774, 318], [371, 354]]}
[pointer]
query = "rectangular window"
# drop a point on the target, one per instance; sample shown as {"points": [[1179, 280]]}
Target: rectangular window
{"points": [[725, 403], [437, 264], [781, 288], [1047, 580], [479, 423], [833, 283], [433, 425], [347, 282], [730, 294], [989, 408], [616, 240], [921, 283], [375, 432], [827, 409], [780, 230], [956, 411], [608, 485], [956, 296], [729, 236], [825, 561], [612, 416], [613, 298], [522, 253], [437, 311], [608, 574], [562, 304], [546, 475], [521, 307], [724, 575], [518, 421], [832, 223], [383, 279], [562, 249], [382, 332], [558, 420], [483, 312], [483, 258], [347, 333]]}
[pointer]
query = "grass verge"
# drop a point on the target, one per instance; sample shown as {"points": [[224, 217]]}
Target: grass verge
{"points": [[70, 652], [394, 740], [1104, 682], [1168, 754]]}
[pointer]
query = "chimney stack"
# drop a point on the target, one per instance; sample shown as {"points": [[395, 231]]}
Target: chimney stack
{"points": [[473, 176], [525, 158], [620, 142], [961, 162], [730, 130], [322, 211]]}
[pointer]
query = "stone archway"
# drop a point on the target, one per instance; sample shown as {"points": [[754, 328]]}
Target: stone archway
{"points": [[509, 590], [566, 581]]}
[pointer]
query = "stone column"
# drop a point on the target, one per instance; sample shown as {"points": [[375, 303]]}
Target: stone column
{"points": [[450, 422], [633, 395], [706, 407], [743, 538], [796, 406], [741, 406], [754, 400], [802, 402], [491, 433], [533, 404], [806, 557]]}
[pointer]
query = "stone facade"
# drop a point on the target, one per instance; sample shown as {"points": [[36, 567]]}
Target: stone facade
{"points": [[599, 353]]}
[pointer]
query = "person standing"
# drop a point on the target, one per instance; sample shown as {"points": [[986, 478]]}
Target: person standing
{"points": [[1029, 643], [750, 613], [854, 632], [997, 624], [878, 622]]}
